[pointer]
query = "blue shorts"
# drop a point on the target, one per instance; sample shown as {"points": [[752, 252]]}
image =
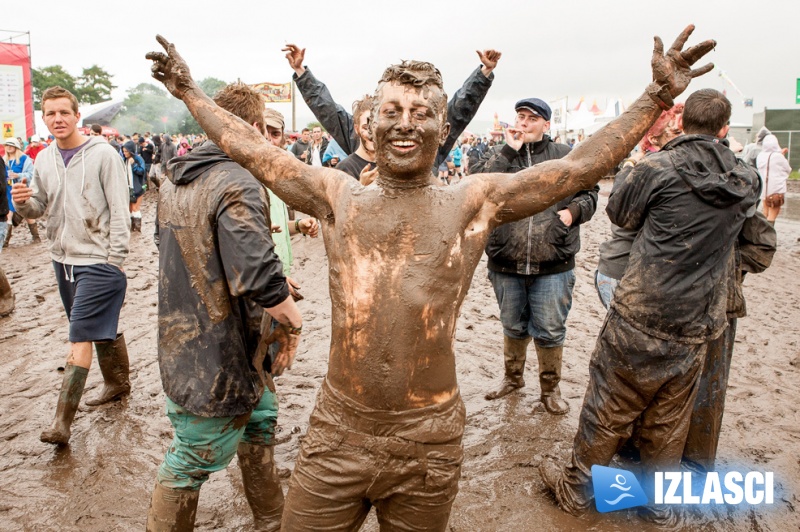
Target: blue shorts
{"points": [[92, 296]]}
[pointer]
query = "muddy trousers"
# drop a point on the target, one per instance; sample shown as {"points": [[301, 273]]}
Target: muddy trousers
{"points": [[405, 464], [706, 420], [631, 374], [203, 445]]}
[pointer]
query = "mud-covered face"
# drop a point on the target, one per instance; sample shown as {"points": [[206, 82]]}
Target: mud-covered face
{"points": [[407, 129]]}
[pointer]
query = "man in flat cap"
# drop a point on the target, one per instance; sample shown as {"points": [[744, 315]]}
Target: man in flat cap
{"points": [[532, 261]]}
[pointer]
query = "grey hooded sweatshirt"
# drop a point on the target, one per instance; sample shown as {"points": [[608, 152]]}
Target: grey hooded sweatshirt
{"points": [[688, 202], [88, 221]]}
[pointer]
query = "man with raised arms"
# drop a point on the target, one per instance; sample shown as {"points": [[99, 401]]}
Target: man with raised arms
{"points": [[387, 426]]}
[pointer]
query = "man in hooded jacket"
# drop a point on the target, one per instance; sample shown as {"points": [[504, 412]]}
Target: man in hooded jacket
{"points": [[689, 202], [219, 274]]}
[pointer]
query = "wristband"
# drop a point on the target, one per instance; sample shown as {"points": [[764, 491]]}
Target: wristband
{"points": [[660, 95], [297, 226], [295, 331]]}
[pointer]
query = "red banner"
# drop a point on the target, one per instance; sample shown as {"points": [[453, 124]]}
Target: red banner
{"points": [[16, 94]]}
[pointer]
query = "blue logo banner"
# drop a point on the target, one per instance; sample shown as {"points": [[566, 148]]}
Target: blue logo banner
{"points": [[615, 489]]}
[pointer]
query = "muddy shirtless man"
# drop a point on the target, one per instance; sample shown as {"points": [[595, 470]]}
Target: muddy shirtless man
{"points": [[387, 426]]}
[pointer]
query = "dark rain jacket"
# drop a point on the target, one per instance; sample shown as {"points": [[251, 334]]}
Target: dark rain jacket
{"points": [[689, 202], [3, 191], [338, 122], [218, 269], [540, 244]]}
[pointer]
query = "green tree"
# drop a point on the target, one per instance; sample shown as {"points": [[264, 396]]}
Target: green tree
{"points": [[44, 78], [94, 85]]}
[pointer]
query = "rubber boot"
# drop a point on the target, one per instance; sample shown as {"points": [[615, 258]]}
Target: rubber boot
{"points": [[514, 353], [68, 401], [549, 377], [34, 229], [261, 485], [8, 236], [136, 225], [112, 357], [172, 510], [6, 295]]}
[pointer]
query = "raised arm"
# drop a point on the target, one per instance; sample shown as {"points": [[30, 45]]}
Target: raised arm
{"points": [[303, 187], [334, 118], [464, 104], [515, 196]]}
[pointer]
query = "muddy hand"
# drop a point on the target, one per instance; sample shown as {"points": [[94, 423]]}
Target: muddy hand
{"points": [[673, 70], [170, 69], [287, 348]]}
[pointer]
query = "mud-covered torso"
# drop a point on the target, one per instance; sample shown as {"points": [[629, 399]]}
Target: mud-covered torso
{"points": [[400, 265]]}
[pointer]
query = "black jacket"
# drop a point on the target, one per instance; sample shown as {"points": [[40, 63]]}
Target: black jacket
{"points": [[689, 202], [309, 151], [338, 122], [540, 244], [218, 269]]}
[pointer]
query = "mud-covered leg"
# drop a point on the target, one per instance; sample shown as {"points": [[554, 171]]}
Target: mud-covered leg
{"points": [[7, 301]]}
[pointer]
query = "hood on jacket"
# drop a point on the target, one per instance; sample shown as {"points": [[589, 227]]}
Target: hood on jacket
{"points": [[189, 167], [130, 146], [770, 144], [711, 169]]}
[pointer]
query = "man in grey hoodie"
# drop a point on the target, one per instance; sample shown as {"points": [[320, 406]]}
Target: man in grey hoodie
{"points": [[81, 182]]}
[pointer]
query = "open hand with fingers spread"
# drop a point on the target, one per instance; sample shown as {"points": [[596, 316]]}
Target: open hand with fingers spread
{"points": [[672, 71], [170, 69]]}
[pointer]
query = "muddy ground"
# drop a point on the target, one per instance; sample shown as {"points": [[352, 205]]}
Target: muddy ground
{"points": [[103, 480]]}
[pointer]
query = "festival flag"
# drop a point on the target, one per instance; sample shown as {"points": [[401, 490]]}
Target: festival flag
{"points": [[274, 92], [16, 94]]}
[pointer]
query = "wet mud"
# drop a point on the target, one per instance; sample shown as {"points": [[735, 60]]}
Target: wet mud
{"points": [[103, 480]]}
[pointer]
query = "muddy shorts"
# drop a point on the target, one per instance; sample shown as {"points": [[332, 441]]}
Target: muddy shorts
{"points": [[406, 464], [203, 445], [632, 373], [92, 296]]}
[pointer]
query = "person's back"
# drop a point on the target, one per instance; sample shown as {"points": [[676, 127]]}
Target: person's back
{"points": [[690, 201]]}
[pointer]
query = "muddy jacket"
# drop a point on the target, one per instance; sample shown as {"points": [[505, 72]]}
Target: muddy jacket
{"points": [[540, 244], [689, 202], [338, 122], [218, 269], [752, 253]]}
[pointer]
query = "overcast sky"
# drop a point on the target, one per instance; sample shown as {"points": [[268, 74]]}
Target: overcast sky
{"points": [[581, 48]]}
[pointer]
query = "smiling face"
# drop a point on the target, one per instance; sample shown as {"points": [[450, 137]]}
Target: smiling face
{"points": [[408, 129]]}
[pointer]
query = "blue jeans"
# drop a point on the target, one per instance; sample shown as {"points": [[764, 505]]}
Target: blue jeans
{"points": [[203, 445], [3, 231], [534, 305], [605, 287]]}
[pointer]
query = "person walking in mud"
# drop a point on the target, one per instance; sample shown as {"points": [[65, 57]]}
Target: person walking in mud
{"points": [[689, 201], [532, 261], [388, 422], [218, 272], [80, 182]]}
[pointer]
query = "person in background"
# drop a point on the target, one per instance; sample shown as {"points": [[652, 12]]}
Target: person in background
{"points": [[774, 170], [19, 167]]}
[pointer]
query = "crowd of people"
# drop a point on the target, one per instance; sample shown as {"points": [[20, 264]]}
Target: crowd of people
{"points": [[407, 206]]}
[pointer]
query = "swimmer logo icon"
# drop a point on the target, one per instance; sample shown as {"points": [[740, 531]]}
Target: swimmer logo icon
{"points": [[615, 489]]}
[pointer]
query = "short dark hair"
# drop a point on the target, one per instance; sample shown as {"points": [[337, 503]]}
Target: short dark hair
{"points": [[241, 100], [417, 74], [97, 128], [706, 112], [305, 129], [59, 92]]}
